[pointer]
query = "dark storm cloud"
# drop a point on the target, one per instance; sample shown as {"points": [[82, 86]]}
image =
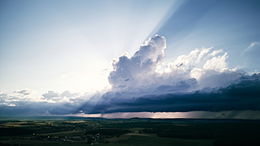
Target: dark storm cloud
{"points": [[242, 95], [37, 109]]}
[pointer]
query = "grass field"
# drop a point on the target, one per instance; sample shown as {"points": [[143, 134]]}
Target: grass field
{"points": [[128, 132]]}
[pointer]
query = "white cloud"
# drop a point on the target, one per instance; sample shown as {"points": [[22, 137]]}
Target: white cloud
{"points": [[13, 98], [68, 94], [136, 70], [23, 92], [146, 72], [251, 47], [64, 97], [250, 57], [50, 95], [28, 96], [217, 63]]}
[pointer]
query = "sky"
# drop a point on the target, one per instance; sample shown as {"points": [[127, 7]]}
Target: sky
{"points": [[70, 45], [87, 54]]}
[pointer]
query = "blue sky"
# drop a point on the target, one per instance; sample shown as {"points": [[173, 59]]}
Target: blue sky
{"points": [[43, 42], [60, 50]]}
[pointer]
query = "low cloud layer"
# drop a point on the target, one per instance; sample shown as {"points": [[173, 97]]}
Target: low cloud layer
{"points": [[27, 102], [242, 95]]}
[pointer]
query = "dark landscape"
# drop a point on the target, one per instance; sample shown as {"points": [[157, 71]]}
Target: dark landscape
{"points": [[125, 132]]}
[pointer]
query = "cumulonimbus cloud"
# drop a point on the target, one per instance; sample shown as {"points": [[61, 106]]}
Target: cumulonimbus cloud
{"points": [[199, 80]]}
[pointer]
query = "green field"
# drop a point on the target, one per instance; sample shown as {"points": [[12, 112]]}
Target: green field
{"points": [[128, 132]]}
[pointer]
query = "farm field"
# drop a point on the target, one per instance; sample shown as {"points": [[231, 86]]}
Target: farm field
{"points": [[126, 132]]}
